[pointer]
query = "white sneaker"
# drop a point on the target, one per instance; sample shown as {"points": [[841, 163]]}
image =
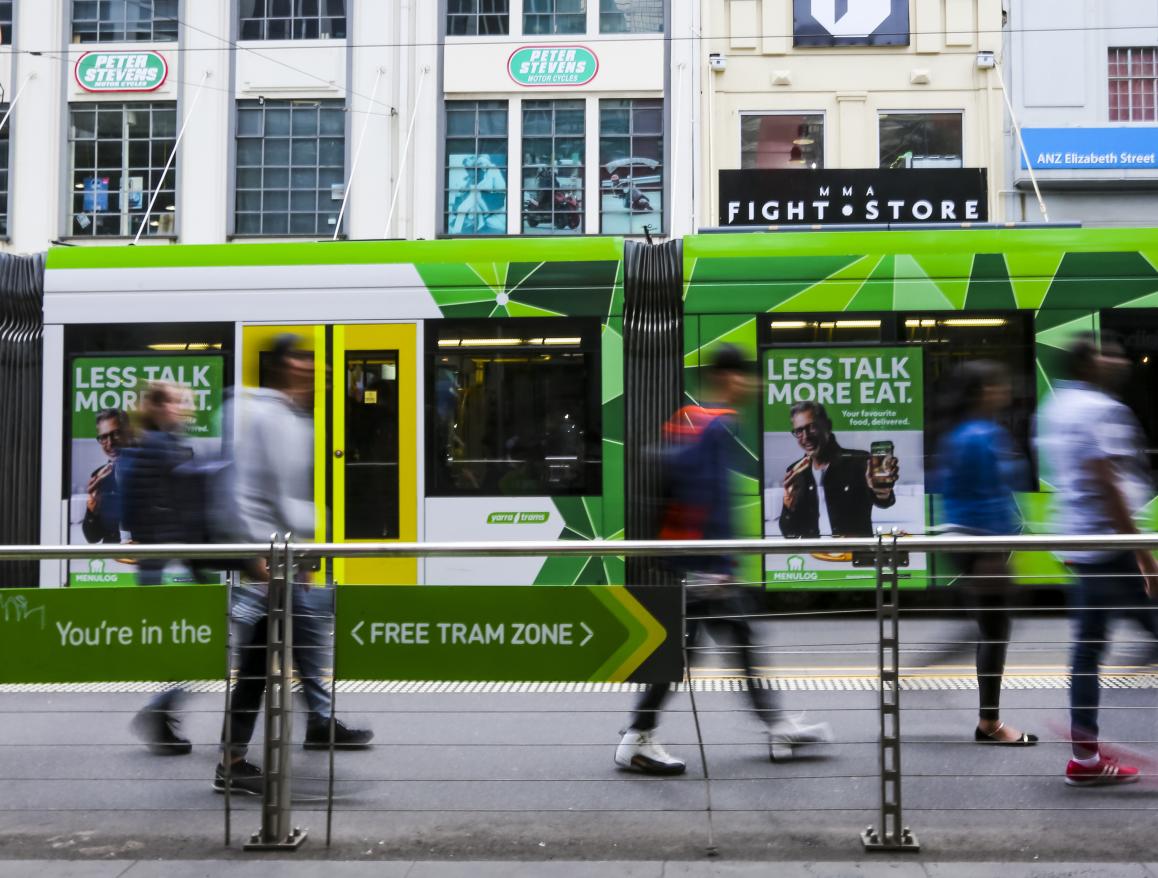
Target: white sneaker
{"points": [[638, 752], [789, 732]]}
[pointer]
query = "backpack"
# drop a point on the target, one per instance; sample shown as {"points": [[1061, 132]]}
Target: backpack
{"points": [[681, 517]]}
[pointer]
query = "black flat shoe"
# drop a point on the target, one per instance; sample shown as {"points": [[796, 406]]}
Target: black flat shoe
{"points": [[1026, 739]]}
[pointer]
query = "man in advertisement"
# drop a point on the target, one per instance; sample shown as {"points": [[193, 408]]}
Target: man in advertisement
{"points": [[102, 513], [832, 491]]}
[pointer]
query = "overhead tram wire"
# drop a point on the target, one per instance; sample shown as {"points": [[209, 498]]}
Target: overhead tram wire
{"points": [[309, 45]]}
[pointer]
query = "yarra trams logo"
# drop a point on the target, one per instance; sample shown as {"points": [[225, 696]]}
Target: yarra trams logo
{"points": [[850, 22]]}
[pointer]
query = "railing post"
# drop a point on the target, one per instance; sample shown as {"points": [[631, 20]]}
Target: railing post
{"points": [[276, 832], [892, 834]]}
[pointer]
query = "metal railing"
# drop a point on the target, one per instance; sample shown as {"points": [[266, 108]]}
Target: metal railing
{"points": [[891, 833]]}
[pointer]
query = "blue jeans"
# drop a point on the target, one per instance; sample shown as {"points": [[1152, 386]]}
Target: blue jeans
{"points": [[1105, 590]]}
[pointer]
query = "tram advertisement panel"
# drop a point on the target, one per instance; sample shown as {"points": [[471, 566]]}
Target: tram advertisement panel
{"points": [[843, 455], [105, 405]]}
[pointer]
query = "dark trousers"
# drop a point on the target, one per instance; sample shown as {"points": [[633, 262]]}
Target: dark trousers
{"points": [[1105, 590], [985, 587], [312, 652], [724, 614]]}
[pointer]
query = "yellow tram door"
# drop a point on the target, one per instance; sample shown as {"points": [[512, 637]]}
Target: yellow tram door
{"points": [[374, 447]]}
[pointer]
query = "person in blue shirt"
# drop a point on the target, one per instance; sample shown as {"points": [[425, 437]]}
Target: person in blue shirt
{"points": [[977, 473]]}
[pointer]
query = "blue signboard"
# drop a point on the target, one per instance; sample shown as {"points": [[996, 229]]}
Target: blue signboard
{"points": [[96, 194], [1091, 149]]}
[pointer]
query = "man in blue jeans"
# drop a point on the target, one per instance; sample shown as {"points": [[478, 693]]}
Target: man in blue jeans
{"points": [[1093, 447], [274, 492]]}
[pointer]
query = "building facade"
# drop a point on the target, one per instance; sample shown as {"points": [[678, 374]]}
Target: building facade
{"points": [[1083, 78], [815, 84], [233, 120], [180, 121]]}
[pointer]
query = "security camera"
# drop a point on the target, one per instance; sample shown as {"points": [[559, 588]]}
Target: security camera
{"points": [[717, 62]]}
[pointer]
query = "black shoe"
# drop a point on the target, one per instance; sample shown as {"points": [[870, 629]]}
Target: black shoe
{"points": [[244, 778], [157, 729], [345, 738]]}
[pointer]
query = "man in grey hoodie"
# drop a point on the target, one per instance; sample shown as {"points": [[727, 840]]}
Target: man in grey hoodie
{"points": [[274, 488]]}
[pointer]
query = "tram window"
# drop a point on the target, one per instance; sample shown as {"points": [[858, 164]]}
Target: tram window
{"points": [[371, 445], [514, 407], [1138, 330], [950, 340]]}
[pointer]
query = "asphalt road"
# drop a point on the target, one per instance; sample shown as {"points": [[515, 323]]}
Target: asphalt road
{"points": [[529, 774]]}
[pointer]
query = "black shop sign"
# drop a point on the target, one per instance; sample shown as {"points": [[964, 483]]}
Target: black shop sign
{"points": [[850, 22], [845, 197]]}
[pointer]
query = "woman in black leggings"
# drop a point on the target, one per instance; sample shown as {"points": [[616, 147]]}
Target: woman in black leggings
{"points": [[978, 470]]}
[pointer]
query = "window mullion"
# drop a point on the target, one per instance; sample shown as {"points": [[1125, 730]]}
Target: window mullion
{"points": [[123, 192]]}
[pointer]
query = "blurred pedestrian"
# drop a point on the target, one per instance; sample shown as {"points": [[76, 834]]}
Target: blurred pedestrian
{"points": [[699, 505], [1094, 450], [977, 474], [274, 461], [155, 509]]}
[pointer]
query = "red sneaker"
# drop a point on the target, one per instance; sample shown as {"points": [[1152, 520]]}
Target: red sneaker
{"points": [[1108, 772]]}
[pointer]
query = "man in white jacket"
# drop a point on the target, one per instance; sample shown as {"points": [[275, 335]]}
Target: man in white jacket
{"points": [[274, 488]]}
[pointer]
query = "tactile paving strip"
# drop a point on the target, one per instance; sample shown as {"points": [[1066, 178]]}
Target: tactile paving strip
{"points": [[914, 683]]}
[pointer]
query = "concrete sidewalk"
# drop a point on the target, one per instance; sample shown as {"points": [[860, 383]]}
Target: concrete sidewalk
{"points": [[261, 867]]}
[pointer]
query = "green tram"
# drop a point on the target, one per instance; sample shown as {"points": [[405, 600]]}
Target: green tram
{"points": [[511, 389]]}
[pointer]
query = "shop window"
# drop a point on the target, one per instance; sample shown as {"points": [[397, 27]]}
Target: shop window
{"points": [[293, 19], [477, 17], [553, 149], [514, 407], [1133, 84], [631, 16], [116, 21], [5, 22], [554, 16], [782, 140], [4, 139], [476, 168], [118, 153], [291, 167], [631, 166], [921, 140]]}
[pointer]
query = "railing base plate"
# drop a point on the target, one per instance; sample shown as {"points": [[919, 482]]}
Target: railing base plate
{"points": [[873, 842], [289, 844]]}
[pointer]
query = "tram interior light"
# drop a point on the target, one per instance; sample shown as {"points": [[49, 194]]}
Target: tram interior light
{"points": [[789, 324], [974, 322], [958, 322], [558, 341], [186, 346]]}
